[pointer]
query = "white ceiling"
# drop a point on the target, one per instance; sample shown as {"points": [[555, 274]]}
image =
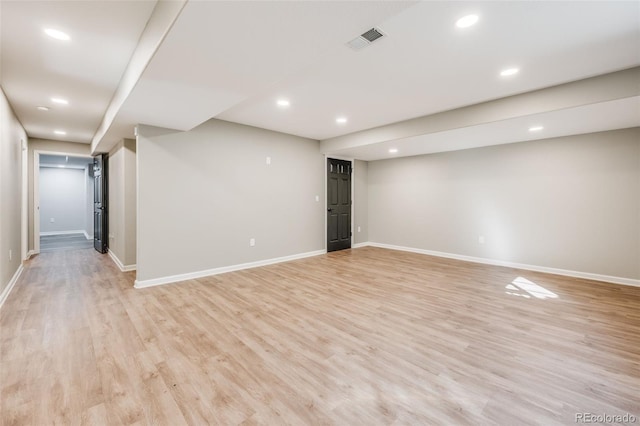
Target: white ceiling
{"points": [[219, 54], [427, 65], [598, 117], [85, 70], [233, 60]]}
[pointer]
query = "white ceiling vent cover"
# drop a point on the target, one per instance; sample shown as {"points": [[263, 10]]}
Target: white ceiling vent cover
{"points": [[365, 39]]}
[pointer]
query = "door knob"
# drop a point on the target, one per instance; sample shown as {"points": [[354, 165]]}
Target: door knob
{"points": [[329, 210]]}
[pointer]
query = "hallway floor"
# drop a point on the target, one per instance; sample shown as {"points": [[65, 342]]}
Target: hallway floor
{"points": [[64, 242]]}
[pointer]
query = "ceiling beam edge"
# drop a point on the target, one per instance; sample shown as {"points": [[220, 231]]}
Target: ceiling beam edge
{"points": [[158, 26], [606, 87]]}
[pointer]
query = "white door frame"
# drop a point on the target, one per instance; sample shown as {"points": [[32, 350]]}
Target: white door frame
{"points": [[36, 191], [25, 199]]}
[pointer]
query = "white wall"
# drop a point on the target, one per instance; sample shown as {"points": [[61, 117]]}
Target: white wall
{"points": [[116, 202], [88, 194], [361, 201], [11, 135], [63, 199], [571, 203], [122, 202], [130, 201], [204, 193]]}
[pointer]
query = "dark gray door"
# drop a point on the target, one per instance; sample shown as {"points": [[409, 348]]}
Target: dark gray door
{"points": [[338, 204], [100, 212]]}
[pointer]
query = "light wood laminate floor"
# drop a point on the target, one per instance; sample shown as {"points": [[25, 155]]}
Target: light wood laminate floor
{"points": [[367, 336]]}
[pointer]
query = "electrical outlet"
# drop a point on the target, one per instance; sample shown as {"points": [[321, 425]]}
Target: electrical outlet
{"points": [[268, 160], [358, 229], [481, 239], [52, 220], [252, 242], [317, 198]]}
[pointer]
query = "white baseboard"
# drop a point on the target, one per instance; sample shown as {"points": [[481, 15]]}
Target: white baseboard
{"points": [[556, 271], [223, 269], [358, 245], [44, 234], [87, 236], [5, 293], [119, 264]]}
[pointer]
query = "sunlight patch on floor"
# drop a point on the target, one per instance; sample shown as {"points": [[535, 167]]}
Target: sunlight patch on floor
{"points": [[523, 287]]}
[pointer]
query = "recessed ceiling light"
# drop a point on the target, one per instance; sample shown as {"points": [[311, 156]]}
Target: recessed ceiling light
{"points": [[60, 101], [58, 35], [42, 108], [59, 132], [341, 120], [509, 71], [283, 103], [393, 150], [535, 128], [467, 21]]}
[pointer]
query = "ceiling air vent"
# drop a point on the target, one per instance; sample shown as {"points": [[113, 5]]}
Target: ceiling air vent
{"points": [[365, 39], [372, 35]]}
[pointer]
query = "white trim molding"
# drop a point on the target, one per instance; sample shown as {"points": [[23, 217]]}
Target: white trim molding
{"points": [[358, 245], [224, 269], [87, 236], [5, 293], [44, 234], [495, 262], [119, 264]]}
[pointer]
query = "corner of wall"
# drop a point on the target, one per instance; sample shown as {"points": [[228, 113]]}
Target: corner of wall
{"points": [[12, 134], [122, 202], [361, 202]]}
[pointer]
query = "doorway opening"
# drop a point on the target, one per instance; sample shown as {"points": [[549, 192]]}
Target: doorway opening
{"points": [[339, 204], [63, 216]]}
